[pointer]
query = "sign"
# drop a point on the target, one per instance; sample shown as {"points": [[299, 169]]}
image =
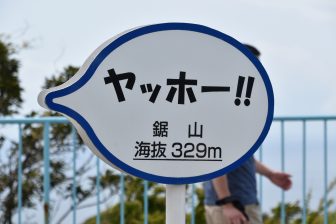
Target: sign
{"points": [[172, 103]]}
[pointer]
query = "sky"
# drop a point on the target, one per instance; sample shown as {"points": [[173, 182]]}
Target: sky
{"points": [[296, 40]]}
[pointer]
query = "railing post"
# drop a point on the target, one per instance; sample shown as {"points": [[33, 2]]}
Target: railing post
{"points": [[46, 174], [122, 198], [192, 203], [261, 180], [325, 144], [304, 167], [20, 176], [98, 191], [146, 202], [74, 184], [283, 207]]}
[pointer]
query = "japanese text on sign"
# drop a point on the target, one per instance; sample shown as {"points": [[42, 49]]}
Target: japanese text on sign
{"points": [[159, 150], [181, 87]]}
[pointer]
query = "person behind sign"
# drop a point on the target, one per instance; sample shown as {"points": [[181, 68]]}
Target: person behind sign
{"points": [[232, 198]]}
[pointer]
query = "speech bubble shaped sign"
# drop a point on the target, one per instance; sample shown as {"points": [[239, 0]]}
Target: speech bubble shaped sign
{"points": [[172, 103]]}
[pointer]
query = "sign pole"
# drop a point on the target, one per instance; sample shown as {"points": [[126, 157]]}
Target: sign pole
{"points": [[175, 204]]}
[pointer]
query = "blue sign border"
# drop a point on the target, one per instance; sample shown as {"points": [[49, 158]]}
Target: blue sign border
{"points": [[128, 37]]}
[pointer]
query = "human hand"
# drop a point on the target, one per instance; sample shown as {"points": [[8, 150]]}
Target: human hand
{"points": [[233, 215], [282, 180]]}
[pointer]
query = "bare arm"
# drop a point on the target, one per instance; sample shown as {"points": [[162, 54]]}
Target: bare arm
{"points": [[280, 179], [262, 169], [221, 186]]}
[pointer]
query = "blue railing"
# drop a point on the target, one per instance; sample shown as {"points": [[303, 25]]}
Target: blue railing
{"points": [[47, 121]]}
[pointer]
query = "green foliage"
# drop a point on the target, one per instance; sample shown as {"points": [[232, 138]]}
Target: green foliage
{"points": [[32, 159], [294, 215], [199, 210], [112, 215], [134, 207], [134, 211], [134, 204], [10, 89], [32, 162], [294, 211], [56, 80]]}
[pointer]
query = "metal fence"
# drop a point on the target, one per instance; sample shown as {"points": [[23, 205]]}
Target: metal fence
{"points": [[47, 121]]}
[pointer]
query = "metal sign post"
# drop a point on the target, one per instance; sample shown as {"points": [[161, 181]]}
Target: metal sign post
{"points": [[172, 103], [175, 204]]}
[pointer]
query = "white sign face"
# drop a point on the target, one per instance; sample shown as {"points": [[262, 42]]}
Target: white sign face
{"points": [[172, 103]]}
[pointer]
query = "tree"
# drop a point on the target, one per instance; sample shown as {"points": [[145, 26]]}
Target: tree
{"points": [[61, 78], [60, 136], [32, 159], [10, 89], [10, 101], [294, 211]]}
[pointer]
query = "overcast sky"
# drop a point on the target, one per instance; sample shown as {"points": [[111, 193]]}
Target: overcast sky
{"points": [[297, 39]]}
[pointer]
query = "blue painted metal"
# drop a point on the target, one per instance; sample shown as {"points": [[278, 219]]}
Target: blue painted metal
{"points": [[98, 191], [122, 198], [193, 204], [145, 202], [74, 184], [261, 180], [46, 173], [30, 120], [304, 175], [325, 146], [304, 118], [283, 209], [20, 176], [46, 121]]}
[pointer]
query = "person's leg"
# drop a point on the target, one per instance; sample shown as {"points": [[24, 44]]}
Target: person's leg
{"points": [[254, 214], [214, 215]]}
